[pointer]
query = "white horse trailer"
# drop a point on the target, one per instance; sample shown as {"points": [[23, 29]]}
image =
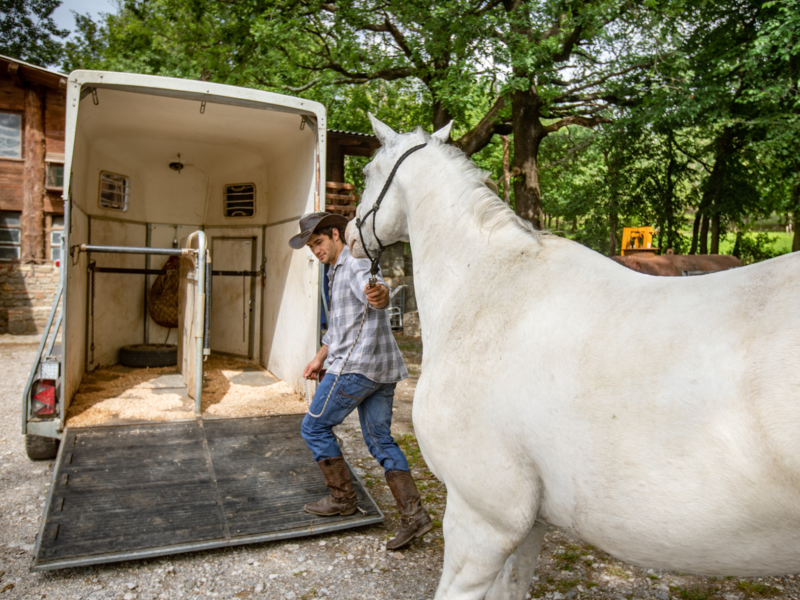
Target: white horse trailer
{"points": [[218, 176]]}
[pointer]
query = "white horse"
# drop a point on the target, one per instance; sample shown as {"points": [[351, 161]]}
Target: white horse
{"points": [[656, 418]]}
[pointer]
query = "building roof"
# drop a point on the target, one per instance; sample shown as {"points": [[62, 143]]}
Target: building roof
{"points": [[32, 73], [353, 143], [355, 133]]}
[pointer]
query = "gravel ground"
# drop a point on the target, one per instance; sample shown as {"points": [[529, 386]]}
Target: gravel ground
{"points": [[350, 565]]}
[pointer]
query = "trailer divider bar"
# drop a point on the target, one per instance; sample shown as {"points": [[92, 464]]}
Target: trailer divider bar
{"points": [[135, 250], [236, 273], [129, 271]]}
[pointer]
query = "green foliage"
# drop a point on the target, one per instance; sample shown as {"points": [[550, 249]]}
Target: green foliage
{"points": [[28, 32], [755, 247], [683, 116]]}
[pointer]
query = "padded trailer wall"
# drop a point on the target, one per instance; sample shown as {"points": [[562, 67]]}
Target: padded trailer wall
{"points": [[178, 148]]}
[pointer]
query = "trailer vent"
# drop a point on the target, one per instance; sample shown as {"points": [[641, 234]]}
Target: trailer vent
{"points": [[114, 191], [240, 200]]}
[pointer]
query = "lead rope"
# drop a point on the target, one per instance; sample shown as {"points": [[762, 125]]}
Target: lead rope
{"points": [[305, 381], [373, 269]]}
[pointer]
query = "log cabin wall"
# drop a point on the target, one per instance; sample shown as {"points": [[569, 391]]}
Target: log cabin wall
{"points": [[340, 196], [32, 122]]}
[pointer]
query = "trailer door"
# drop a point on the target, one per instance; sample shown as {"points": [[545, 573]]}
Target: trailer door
{"points": [[233, 295]]}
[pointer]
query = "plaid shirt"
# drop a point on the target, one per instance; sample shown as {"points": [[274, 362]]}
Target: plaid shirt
{"points": [[376, 355]]}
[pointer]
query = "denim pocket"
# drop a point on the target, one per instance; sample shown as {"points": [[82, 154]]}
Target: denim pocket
{"points": [[353, 391]]}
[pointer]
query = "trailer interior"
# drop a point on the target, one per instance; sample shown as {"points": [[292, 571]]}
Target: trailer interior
{"points": [[206, 453]]}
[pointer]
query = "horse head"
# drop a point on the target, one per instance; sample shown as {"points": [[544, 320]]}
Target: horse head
{"points": [[382, 218]]}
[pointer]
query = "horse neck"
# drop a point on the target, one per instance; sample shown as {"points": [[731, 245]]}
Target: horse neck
{"points": [[446, 242]]}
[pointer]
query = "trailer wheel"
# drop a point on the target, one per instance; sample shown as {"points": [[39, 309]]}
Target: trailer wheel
{"points": [[39, 447], [148, 355]]}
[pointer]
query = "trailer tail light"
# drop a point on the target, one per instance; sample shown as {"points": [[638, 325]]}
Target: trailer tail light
{"points": [[43, 396]]}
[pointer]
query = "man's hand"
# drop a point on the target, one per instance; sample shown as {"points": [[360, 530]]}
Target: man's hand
{"points": [[315, 366], [312, 369], [377, 296]]}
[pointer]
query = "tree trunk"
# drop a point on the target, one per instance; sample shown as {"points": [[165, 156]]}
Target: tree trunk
{"points": [[479, 136], [704, 235], [528, 135], [33, 177], [715, 233], [696, 231], [612, 170], [714, 186], [441, 116], [796, 224], [506, 171], [613, 221], [670, 238]]}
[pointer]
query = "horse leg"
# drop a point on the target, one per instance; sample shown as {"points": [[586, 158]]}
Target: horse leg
{"points": [[514, 579], [477, 548]]}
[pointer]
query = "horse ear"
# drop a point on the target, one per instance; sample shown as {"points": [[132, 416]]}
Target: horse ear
{"points": [[383, 132], [444, 133]]}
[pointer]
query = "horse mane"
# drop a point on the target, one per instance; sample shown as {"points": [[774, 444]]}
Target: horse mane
{"points": [[490, 210]]}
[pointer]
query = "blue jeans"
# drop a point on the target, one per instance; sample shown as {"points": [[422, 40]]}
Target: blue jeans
{"points": [[374, 403]]}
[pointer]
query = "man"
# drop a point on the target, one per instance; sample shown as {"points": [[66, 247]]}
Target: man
{"points": [[368, 364]]}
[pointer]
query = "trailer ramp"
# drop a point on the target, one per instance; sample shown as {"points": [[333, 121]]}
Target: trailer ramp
{"points": [[137, 491]]}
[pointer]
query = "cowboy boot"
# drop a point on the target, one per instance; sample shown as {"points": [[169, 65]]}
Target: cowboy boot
{"points": [[342, 499], [414, 519]]}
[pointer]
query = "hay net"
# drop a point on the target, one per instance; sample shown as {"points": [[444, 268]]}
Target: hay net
{"points": [[164, 294]]}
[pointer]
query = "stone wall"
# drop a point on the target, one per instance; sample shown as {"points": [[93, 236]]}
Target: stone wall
{"points": [[398, 269], [27, 293]]}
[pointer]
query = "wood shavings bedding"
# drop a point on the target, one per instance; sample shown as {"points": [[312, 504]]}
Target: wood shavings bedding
{"points": [[232, 388]]}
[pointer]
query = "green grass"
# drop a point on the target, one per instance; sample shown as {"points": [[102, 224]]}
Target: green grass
{"points": [[551, 584], [568, 557], [410, 346], [758, 589], [692, 593], [783, 242], [408, 444], [565, 585], [618, 572]]}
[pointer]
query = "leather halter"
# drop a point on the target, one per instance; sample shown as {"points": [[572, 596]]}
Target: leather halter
{"points": [[374, 210]]}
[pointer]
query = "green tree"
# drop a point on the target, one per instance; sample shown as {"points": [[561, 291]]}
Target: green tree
{"points": [[775, 59], [28, 32], [730, 94], [496, 67]]}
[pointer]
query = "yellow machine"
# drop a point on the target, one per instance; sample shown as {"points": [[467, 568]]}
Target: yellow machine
{"points": [[637, 240]]}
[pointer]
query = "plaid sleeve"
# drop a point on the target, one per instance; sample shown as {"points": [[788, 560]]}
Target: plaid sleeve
{"points": [[360, 279]]}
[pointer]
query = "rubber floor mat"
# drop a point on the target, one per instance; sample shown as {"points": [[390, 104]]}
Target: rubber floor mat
{"points": [[137, 491]]}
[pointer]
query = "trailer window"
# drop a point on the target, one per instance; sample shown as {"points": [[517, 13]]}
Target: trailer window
{"points": [[10, 135], [114, 191], [10, 234], [240, 200]]}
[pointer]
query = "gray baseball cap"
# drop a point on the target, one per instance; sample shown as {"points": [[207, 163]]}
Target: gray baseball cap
{"points": [[311, 222]]}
